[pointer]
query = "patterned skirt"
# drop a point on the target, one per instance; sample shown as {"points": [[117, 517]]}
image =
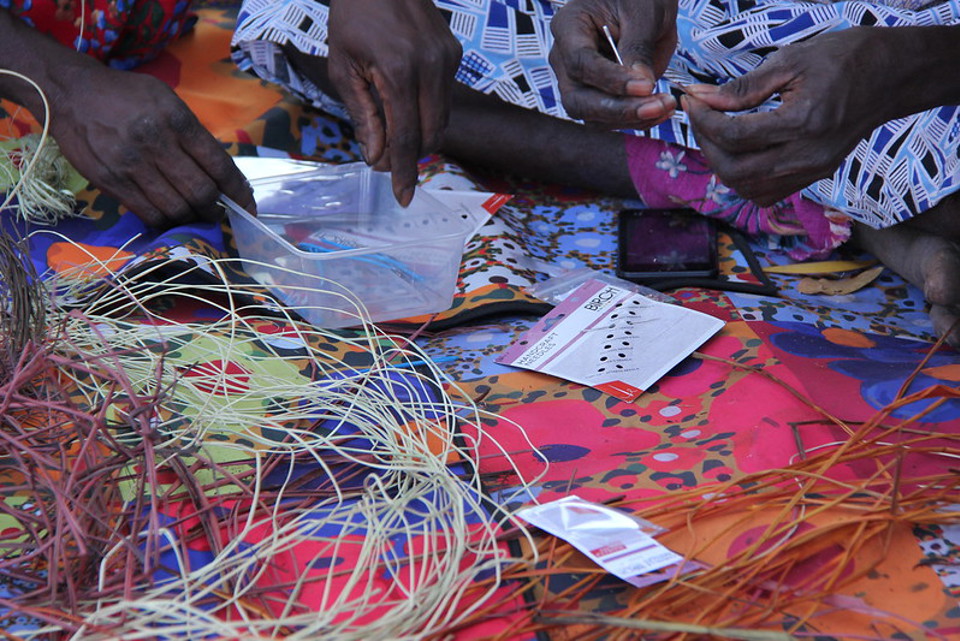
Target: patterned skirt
{"points": [[904, 168]]}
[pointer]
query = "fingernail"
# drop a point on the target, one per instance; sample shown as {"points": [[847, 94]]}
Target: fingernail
{"points": [[701, 90], [363, 152], [639, 87], [406, 196], [650, 110]]}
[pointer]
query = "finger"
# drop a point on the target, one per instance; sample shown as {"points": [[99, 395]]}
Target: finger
{"points": [[729, 168], [718, 160], [576, 56], [655, 110], [401, 108], [595, 70], [434, 107], [169, 177], [771, 192], [128, 194], [775, 173], [436, 98], [741, 133], [180, 201], [616, 111], [201, 191], [356, 92], [781, 171], [945, 321], [646, 46], [200, 169], [148, 194], [136, 179], [766, 192], [745, 92], [384, 163], [216, 174], [762, 177]]}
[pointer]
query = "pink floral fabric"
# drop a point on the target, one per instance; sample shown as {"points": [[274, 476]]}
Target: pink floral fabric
{"points": [[667, 176]]}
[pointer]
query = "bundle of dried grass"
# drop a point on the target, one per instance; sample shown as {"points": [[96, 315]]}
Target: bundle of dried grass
{"points": [[137, 447], [47, 181], [23, 319], [817, 532], [36, 181]]}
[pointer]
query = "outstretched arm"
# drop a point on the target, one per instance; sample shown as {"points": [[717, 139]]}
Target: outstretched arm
{"points": [[835, 89], [127, 133]]}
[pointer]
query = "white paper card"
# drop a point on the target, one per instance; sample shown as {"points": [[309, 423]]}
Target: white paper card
{"points": [[612, 339]]}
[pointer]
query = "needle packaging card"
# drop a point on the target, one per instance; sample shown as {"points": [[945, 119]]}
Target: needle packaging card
{"points": [[611, 339], [621, 544]]}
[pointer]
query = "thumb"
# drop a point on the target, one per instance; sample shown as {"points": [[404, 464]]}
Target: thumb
{"points": [[648, 35], [747, 91]]}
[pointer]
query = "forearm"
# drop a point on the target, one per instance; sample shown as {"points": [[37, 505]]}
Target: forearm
{"points": [[928, 63], [38, 57]]}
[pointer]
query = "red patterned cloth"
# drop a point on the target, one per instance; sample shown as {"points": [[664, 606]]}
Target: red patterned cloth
{"points": [[122, 33]]}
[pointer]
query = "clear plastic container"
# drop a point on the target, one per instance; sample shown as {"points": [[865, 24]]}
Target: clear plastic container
{"points": [[327, 241]]}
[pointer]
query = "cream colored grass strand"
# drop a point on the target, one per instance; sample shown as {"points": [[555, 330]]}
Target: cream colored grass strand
{"points": [[44, 134], [409, 468], [233, 312], [83, 23]]}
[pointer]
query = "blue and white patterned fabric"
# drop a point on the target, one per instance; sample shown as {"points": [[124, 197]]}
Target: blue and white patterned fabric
{"points": [[904, 168]]}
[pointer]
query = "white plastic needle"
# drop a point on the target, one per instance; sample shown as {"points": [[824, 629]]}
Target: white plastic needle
{"points": [[613, 45]]}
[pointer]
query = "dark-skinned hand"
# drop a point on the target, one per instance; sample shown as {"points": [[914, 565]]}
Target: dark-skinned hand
{"points": [[392, 63], [835, 89], [131, 136], [593, 86]]}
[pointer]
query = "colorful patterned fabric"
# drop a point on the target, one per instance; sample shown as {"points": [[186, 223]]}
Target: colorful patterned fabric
{"points": [[704, 422], [686, 432], [122, 33], [904, 168]]}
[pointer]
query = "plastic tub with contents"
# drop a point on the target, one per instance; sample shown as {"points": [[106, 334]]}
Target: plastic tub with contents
{"points": [[327, 241]]}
